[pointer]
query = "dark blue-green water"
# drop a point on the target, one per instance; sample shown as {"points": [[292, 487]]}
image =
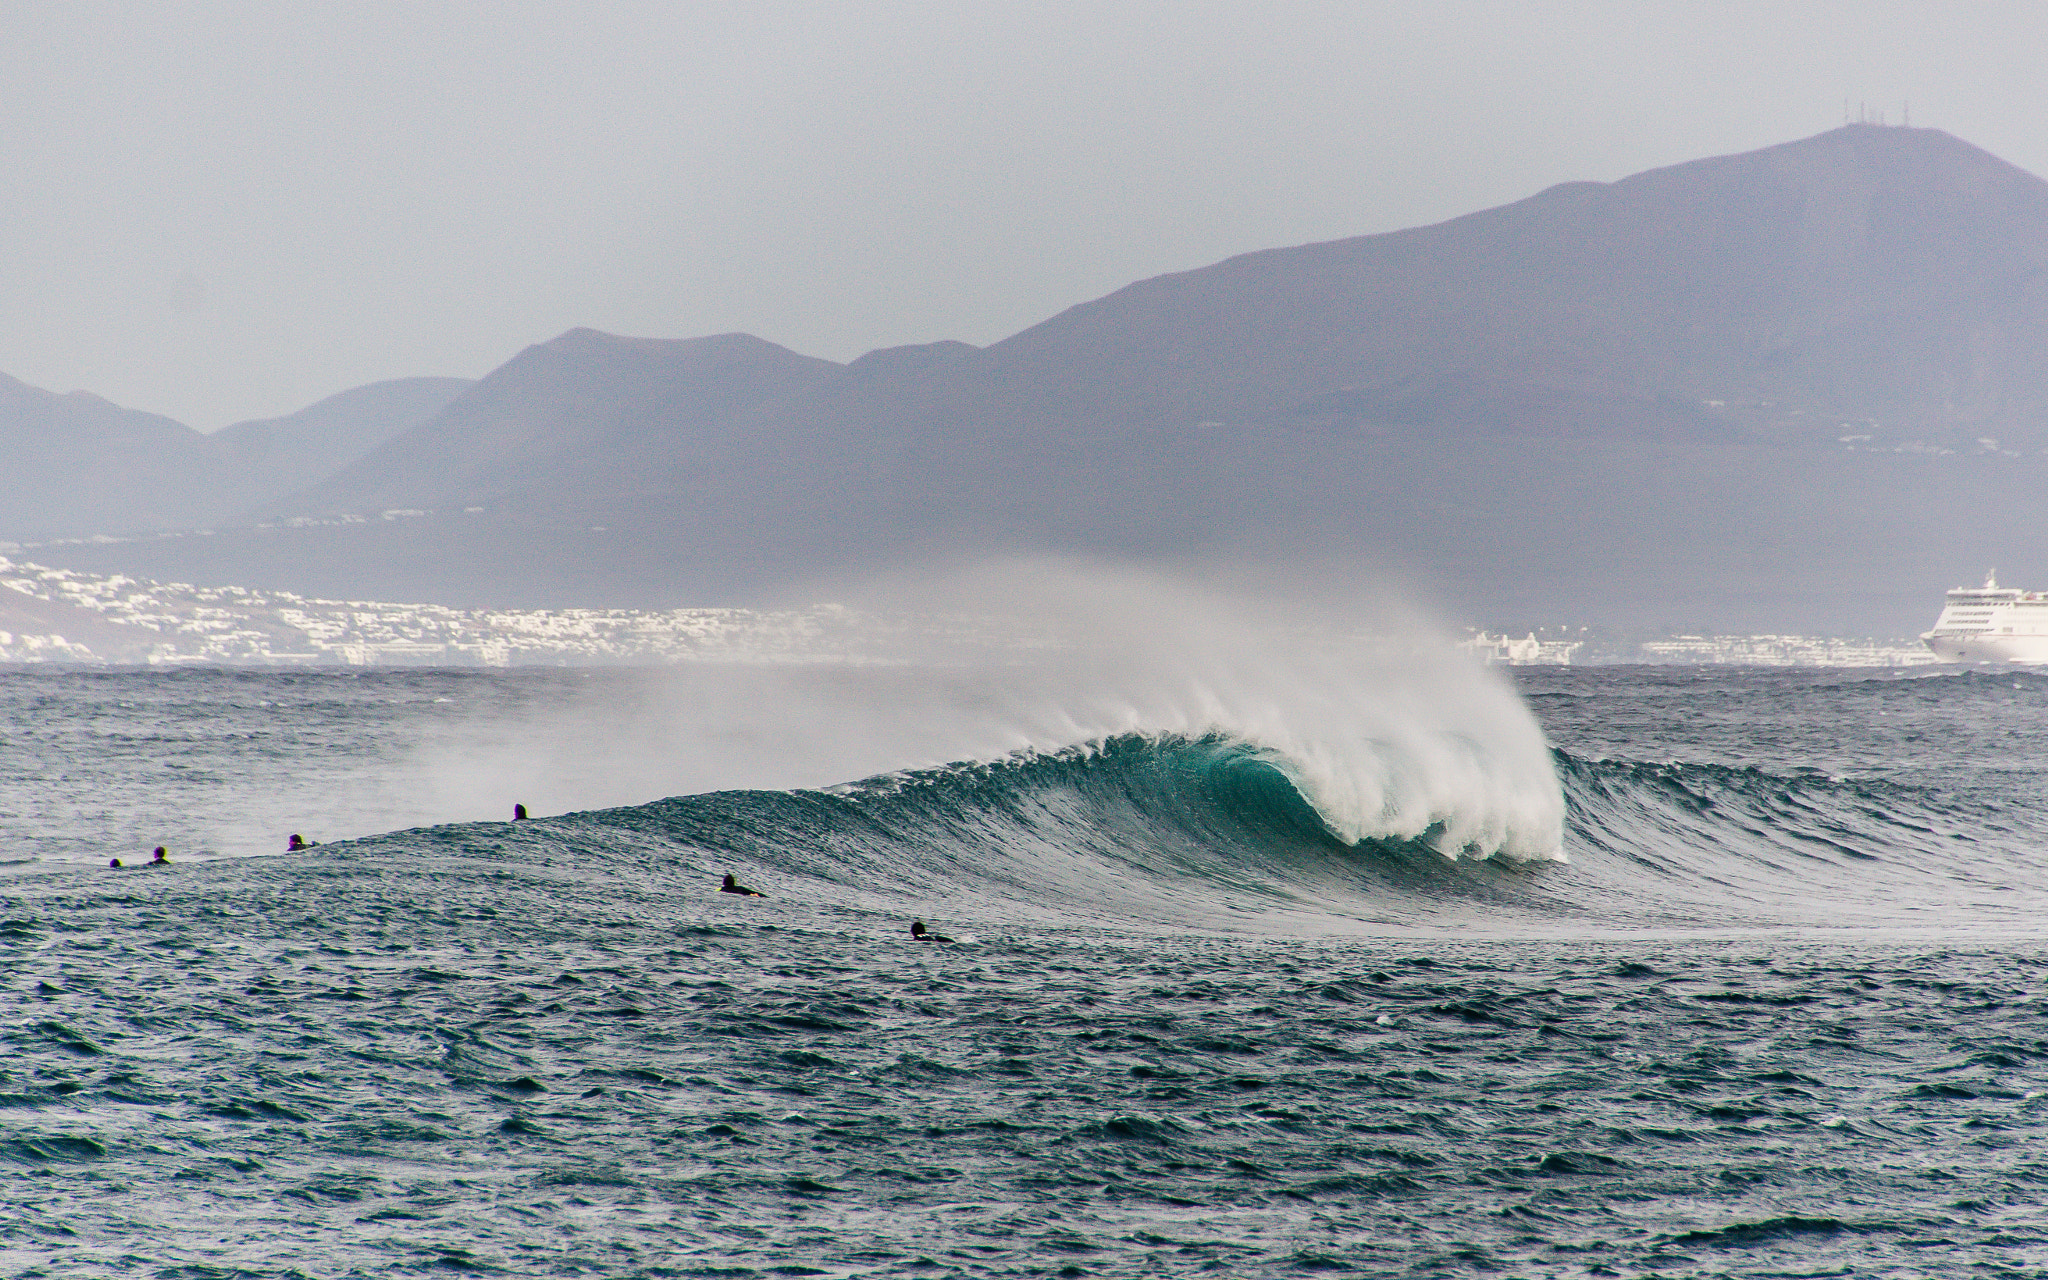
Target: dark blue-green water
{"points": [[1215, 1006]]}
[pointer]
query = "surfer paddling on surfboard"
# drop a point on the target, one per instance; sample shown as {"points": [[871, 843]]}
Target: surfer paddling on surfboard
{"points": [[733, 886]]}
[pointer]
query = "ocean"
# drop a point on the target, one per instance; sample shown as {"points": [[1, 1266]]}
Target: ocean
{"points": [[1395, 968]]}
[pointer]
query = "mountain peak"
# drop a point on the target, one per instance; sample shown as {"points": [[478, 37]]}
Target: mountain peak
{"points": [[584, 339], [1891, 151]]}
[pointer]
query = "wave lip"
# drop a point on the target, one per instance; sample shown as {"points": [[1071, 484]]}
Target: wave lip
{"points": [[1216, 788], [1454, 792]]}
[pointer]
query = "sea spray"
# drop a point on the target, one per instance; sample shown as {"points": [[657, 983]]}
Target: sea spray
{"points": [[1381, 723]]}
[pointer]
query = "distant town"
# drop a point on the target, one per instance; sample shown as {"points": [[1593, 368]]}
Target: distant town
{"points": [[70, 617], [121, 620], [1561, 648]]}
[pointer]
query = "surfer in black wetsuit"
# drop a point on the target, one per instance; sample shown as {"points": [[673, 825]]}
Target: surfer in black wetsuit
{"points": [[922, 934], [115, 864], [161, 859], [518, 813], [733, 886], [299, 842]]}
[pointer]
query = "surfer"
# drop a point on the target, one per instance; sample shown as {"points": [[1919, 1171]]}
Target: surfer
{"points": [[115, 864], [922, 934], [161, 859], [733, 886], [518, 813], [299, 842]]}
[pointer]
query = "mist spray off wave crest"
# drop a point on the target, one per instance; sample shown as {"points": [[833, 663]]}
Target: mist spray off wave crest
{"points": [[1384, 727], [1034, 710]]}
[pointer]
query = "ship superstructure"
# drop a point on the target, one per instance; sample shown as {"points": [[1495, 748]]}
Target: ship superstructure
{"points": [[1991, 624]]}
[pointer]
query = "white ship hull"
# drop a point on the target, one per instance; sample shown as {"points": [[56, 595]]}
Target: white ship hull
{"points": [[1991, 624], [2025, 650]]}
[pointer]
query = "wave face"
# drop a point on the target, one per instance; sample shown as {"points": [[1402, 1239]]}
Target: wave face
{"points": [[1217, 829], [1163, 829], [1707, 843], [1916, 800], [1217, 832]]}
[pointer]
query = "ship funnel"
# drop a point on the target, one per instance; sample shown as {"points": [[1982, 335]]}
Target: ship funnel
{"points": [[1991, 579]]}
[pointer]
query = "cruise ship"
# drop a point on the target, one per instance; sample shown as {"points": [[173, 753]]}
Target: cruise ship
{"points": [[1991, 624]]}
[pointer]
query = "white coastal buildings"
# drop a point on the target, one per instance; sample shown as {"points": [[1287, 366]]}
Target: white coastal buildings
{"points": [[64, 616], [1783, 651], [60, 615], [1505, 650]]}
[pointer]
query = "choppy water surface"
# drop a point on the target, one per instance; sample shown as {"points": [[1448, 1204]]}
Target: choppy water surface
{"points": [[1777, 1015]]}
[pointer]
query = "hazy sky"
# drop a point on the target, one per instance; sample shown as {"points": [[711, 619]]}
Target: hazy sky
{"points": [[220, 211]]}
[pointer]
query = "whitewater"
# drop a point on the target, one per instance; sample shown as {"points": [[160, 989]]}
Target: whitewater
{"points": [[1280, 950]]}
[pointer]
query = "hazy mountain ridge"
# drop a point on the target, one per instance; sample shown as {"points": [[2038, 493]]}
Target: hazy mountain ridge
{"points": [[1773, 276], [79, 465], [286, 454], [555, 410], [1629, 397]]}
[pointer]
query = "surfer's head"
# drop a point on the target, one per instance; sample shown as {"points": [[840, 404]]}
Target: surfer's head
{"points": [[115, 863], [161, 855], [730, 883], [298, 842], [917, 928]]}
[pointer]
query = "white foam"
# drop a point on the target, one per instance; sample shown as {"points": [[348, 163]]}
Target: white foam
{"points": [[1384, 725]]}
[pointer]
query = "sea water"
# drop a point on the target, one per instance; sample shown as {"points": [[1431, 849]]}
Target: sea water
{"points": [[1741, 977]]}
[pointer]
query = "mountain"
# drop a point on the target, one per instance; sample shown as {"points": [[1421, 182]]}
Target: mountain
{"points": [[1869, 273], [586, 410], [1804, 388], [78, 466], [271, 456]]}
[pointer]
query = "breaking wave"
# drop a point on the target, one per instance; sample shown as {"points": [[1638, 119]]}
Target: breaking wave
{"points": [[1217, 831], [1122, 750]]}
